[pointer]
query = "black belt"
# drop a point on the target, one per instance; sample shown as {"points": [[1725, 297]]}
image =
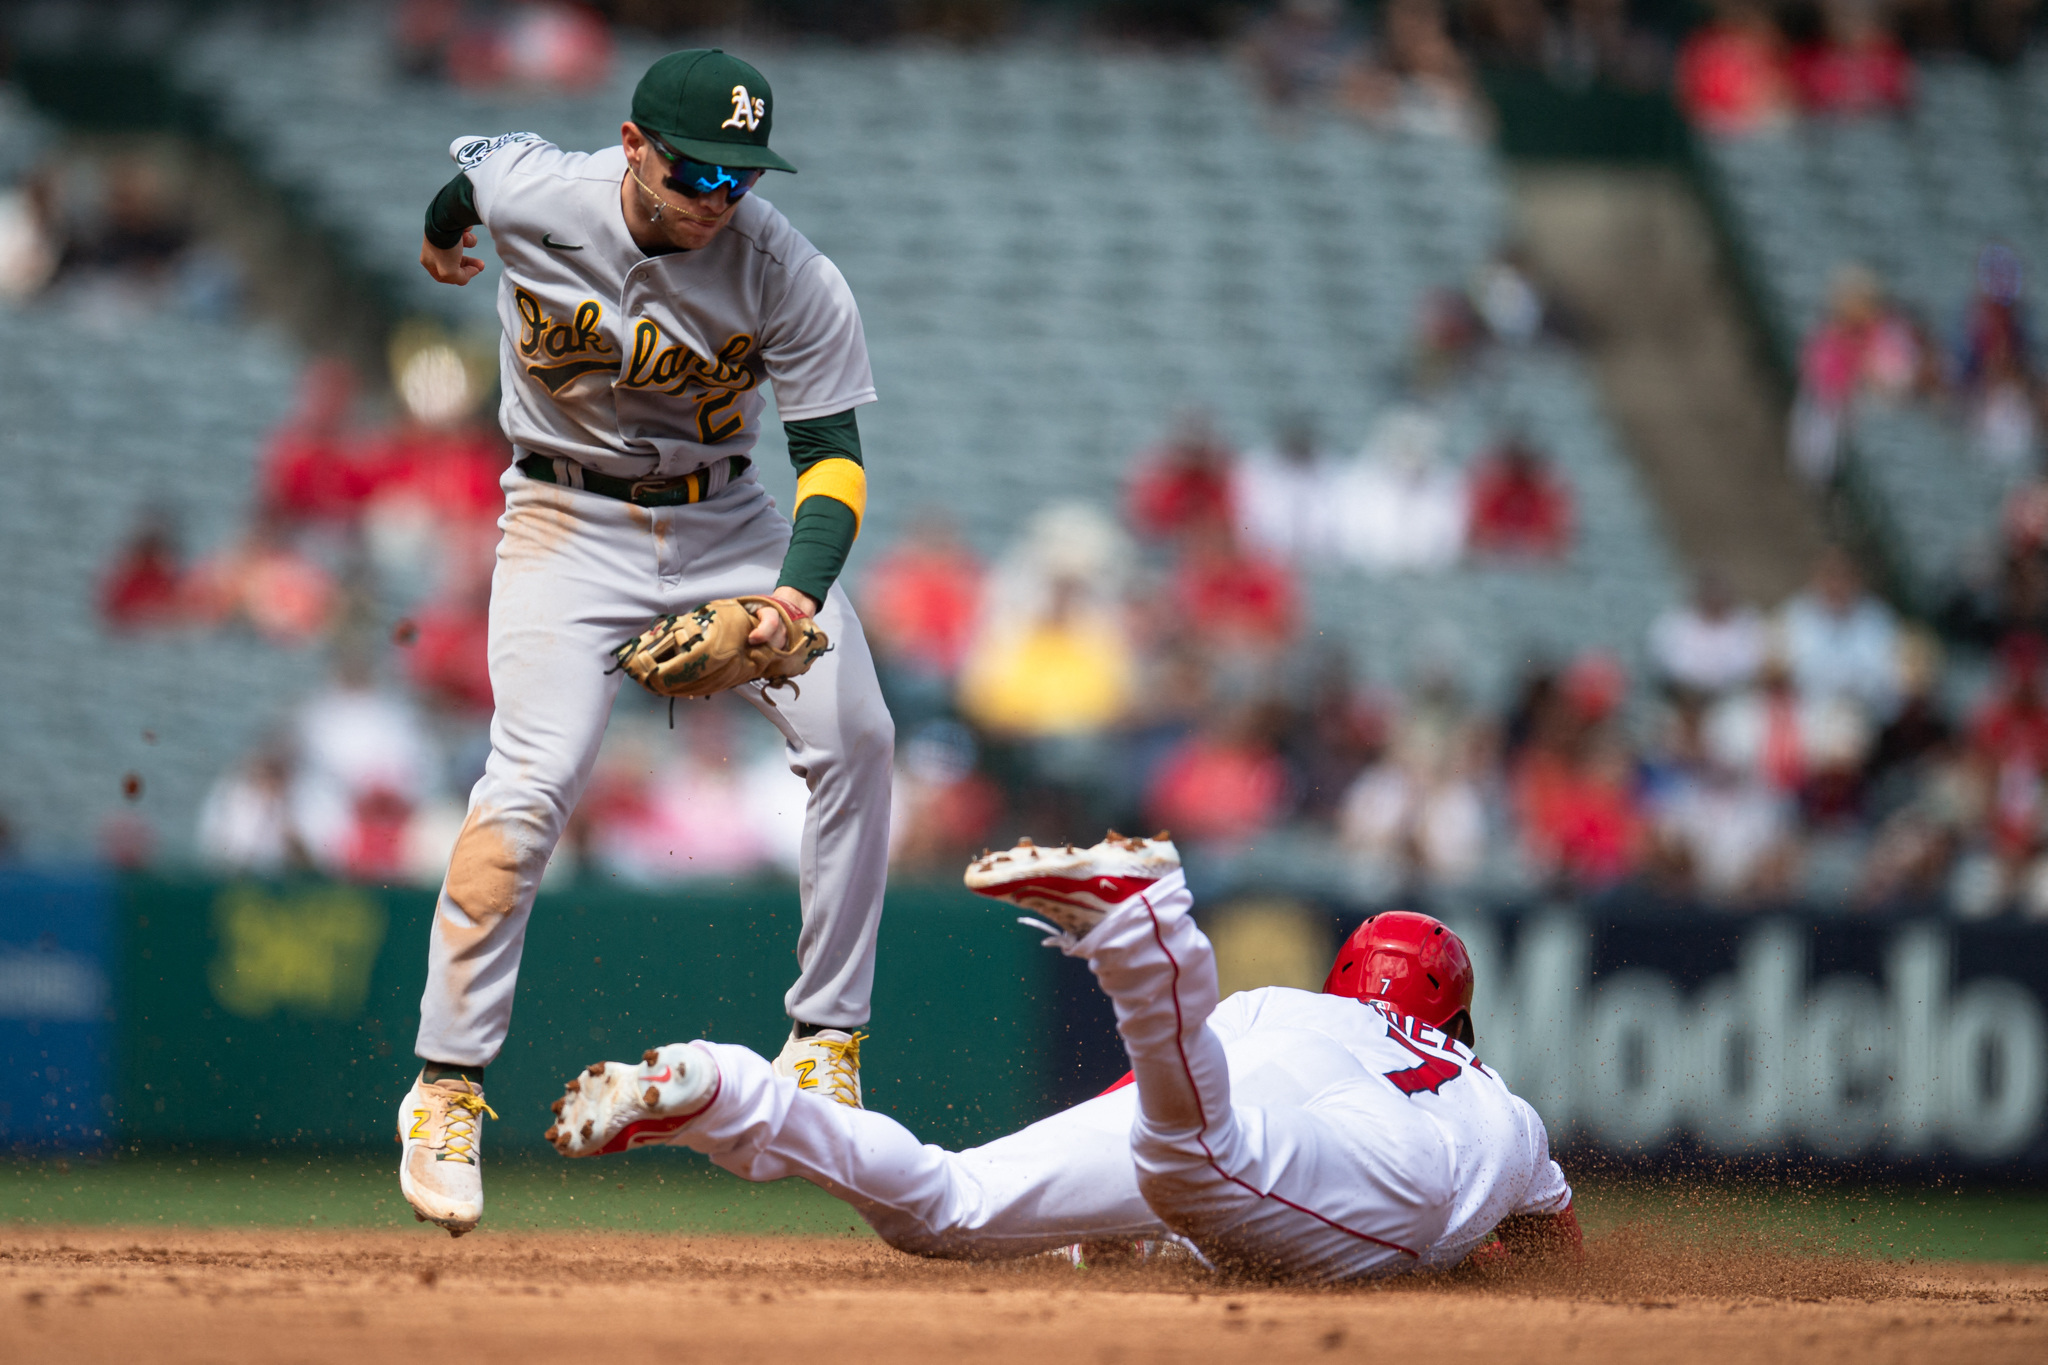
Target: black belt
{"points": [[674, 492]]}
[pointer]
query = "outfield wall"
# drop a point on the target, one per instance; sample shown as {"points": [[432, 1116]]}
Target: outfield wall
{"points": [[1842, 1039], [252, 1014], [160, 1011]]}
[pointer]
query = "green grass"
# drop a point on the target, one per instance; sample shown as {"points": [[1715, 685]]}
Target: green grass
{"points": [[672, 1191], [651, 1191], [1923, 1220]]}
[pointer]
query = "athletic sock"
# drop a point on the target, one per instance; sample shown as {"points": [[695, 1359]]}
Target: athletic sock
{"points": [[435, 1071]]}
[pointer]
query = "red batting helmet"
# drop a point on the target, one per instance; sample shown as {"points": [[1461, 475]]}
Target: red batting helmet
{"points": [[1412, 962]]}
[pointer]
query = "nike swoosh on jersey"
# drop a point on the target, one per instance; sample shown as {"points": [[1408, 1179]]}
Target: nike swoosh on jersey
{"points": [[551, 244]]}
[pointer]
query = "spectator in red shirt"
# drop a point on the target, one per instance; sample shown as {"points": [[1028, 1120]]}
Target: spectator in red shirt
{"points": [[447, 643], [534, 45], [1184, 482], [1519, 505], [1580, 818], [453, 470], [923, 600], [1574, 790], [1732, 77], [450, 655], [1857, 68], [265, 583], [374, 845], [145, 585], [1234, 595], [1223, 786], [2010, 734], [316, 467], [1863, 345]]}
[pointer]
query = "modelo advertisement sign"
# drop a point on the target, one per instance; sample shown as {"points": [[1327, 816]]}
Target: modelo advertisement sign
{"points": [[1845, 1040]]}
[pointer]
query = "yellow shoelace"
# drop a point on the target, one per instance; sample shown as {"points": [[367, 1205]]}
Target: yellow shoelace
{"points": [[842, 1068], [459, 1140]]}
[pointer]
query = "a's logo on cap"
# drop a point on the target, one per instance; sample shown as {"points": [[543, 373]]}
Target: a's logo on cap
{"points": [[747, 112]]}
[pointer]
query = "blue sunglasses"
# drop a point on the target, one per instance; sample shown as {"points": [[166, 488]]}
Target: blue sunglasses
{"points": [[694, 179]]}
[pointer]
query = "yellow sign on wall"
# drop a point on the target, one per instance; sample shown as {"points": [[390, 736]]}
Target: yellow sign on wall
{"points": [[309, 952], [1270, 943]]}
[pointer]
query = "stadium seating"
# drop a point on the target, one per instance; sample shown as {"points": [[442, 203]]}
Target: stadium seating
{"points": [[1052, 256], [1914, 199], [108, 420]]}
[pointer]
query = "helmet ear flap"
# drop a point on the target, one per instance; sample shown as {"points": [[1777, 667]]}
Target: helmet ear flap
{"points": [[1459, 1026]]}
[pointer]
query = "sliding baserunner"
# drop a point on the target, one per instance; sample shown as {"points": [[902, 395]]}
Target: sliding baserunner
{"points": [[1283, 1132]]}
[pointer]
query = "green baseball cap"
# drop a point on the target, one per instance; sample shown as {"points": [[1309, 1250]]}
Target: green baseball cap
{"points": [[710, 106]]}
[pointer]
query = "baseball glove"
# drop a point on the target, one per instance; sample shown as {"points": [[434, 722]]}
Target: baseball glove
{"points": [[706, 650]]}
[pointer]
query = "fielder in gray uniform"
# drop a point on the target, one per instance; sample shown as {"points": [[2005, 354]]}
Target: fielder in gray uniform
{"points": [[646, 297]]}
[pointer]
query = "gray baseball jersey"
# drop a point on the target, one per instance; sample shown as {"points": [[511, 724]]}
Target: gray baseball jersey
{"points": [[645, 366]]}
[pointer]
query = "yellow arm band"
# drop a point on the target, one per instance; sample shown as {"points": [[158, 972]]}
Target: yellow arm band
{"points": [[840, 480]]}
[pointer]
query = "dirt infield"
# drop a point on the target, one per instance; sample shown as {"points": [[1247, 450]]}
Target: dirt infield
{"points": [[111, 1294]]}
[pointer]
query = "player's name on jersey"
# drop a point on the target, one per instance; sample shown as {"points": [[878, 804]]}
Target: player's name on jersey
{"points": [[674, 367], [562, 350], [559, 350], [655, 366]]}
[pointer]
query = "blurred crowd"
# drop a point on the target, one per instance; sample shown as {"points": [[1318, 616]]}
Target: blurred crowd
{"points": [[1869, 348], [1402, 70], [1986, 380], [1156, 666], [1155, 671], [107, 231], [371, 536], [1753, 67], [1160, 662], [1157, 663], [1737, 67], [537, 46]]}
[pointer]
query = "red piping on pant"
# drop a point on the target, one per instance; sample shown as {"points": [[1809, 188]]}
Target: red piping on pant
{"points": [[1201, 1134]]}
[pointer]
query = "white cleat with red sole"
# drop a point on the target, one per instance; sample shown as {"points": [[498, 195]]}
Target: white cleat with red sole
{"points": [[617, 1106], [1073, 887]]}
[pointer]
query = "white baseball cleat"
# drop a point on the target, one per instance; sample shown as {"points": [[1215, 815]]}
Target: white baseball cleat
{"points": [[826, 1063], [440, 1169], [1074, 887], [616, 1106]]}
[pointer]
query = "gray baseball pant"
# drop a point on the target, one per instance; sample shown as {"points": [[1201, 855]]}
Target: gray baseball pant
{"points": [[577, 575]]}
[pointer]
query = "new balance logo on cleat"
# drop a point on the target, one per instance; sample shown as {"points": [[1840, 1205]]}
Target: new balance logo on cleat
{"points": [[825, 1063], [440, 1169]]}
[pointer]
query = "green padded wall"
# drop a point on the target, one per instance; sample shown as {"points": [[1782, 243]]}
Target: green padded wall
{"points": [[252, 1013]]}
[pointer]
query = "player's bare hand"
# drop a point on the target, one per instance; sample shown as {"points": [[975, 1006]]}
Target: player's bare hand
{"points": [[768, 627], [447, 264]]}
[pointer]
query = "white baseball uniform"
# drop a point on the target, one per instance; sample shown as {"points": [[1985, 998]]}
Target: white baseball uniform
{"points": [[1312, 1137], [648, 368]]}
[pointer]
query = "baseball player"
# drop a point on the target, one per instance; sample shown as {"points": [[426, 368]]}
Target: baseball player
{"points": [[647, 296], [1284, 1133]]}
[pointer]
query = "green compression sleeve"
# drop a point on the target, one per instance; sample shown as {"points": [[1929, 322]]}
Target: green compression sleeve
{"points": [[452, 213], [825, 527]]}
